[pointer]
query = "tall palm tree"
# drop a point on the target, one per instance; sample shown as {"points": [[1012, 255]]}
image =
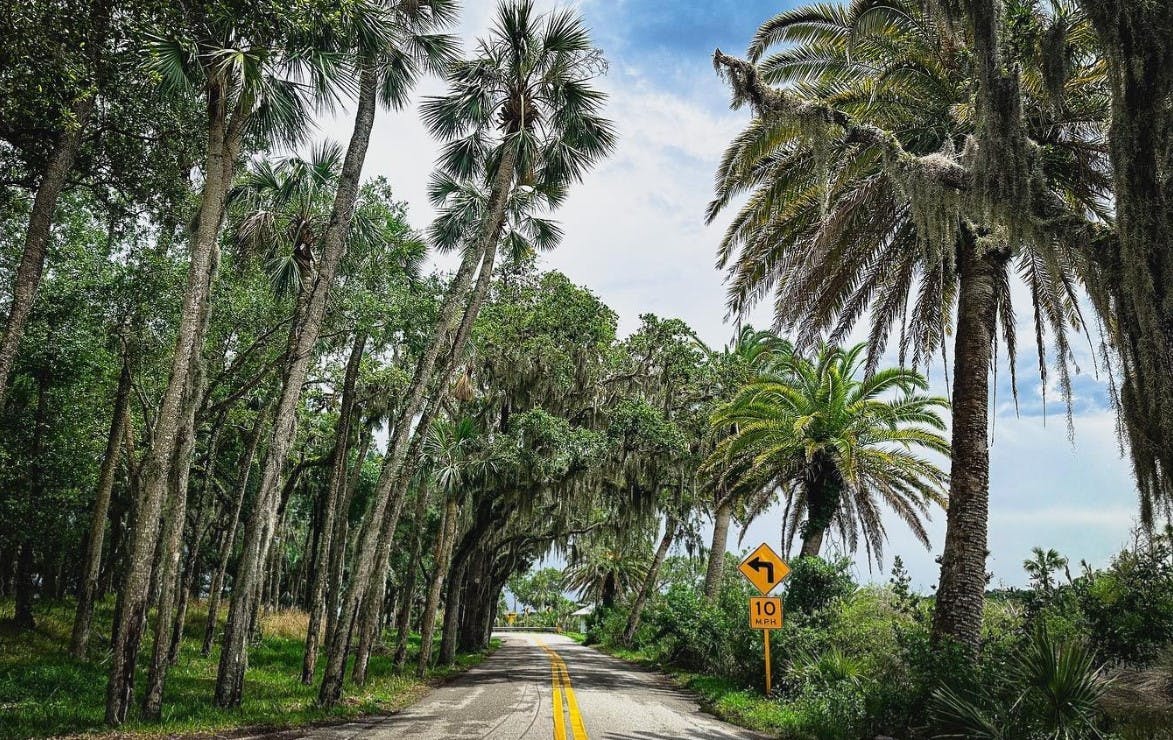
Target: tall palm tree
{"points": [[523, 117], [247, 73], [840, 446], [737, 363], [870, 194], [389, 45]]}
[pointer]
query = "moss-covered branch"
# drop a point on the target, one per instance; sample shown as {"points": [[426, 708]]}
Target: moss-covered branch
{"points": [[748, 87]]}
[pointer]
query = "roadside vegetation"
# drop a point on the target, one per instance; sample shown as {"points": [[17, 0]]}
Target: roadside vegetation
{"points": [[46, 692], [1081, 652]]}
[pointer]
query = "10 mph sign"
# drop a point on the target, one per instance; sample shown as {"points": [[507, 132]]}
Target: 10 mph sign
{"points": [[765, 613]]}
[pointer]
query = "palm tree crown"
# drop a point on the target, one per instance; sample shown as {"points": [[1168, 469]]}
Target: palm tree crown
{"points": [[833, 228], [838, 446]]}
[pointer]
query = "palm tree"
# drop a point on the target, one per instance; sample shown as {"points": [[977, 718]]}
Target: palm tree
{"points": [[870, 194], [389, 46], [523, 118], [1043, 566], [602, 569], [247, 76], [739, 361], [284, 210], [840, 447]]}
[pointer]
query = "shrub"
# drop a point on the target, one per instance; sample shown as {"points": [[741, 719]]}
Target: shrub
{"points": [[1129, 606], [814, 583], [1056, 690]]}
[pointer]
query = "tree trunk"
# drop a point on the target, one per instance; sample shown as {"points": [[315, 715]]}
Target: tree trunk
{"points": [[303, 335], [368, 629], [154, 471], [25, 587], [477, 601], [207, 506], [36, 241], [452, 615], [91, 566], [175, 516], [961, 592], [120, 507], [653, 575], [369, 621], [330, 510], [341, 535], [717, 551], [824, 487], [393, 462], [25, 568], [188, 574], [486, 515], [403, 621], [169, 586], [440, 559], [228, 537]]}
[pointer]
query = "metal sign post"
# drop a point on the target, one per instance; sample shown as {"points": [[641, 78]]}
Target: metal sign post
{"points": [[766, 640]]}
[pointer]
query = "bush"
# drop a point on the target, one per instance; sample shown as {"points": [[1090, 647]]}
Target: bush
{"points": [[815, 583], [1128, 607]]}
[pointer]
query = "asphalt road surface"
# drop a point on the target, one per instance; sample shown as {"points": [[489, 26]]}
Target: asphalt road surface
{"points": [[547, 686]]}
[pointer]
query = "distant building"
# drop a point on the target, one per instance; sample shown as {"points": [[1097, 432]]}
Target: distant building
{"points": [[580, 617]]}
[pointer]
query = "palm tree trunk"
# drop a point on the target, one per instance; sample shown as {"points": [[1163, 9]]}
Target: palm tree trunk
{"points": [[370, 621], [403, 619], [440, 559], [171, 545], [154, 471], [961, 592], [36, 241], [716, 569], [228, 537], [332, 679], [303, 334], [93, 558], [334, 488], [338, 543], [653, 575], [205, 514], [823, 492]]}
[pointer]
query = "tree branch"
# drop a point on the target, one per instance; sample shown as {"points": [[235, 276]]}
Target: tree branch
{"points": [[748, 88]]}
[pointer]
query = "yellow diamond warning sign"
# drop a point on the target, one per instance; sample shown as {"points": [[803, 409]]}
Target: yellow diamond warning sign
{"points": [[764, 569], [765, 612]]}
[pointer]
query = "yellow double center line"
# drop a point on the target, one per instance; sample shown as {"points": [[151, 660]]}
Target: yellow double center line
{"points": [[560, 678]]}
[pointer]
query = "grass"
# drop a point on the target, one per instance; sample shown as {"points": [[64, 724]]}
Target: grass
{"points": [[45, 692], [721, 697]]}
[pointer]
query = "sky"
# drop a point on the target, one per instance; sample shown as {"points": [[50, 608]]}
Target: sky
{"points": [[635, 235]]}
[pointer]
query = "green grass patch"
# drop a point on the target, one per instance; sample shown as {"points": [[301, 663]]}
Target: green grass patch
{"points": [[45, 692]]}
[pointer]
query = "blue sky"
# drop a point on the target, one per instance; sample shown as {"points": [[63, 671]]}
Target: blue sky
{"points": [[635, 235]]}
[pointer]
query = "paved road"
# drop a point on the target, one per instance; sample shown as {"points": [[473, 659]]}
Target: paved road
{"points": [[547, 686]]}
